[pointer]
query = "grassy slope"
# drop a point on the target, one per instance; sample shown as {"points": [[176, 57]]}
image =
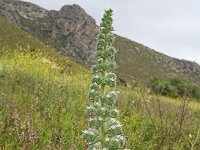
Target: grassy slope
{"points": [[11, 36], [43, 96], [129, 68], [138, 62]]}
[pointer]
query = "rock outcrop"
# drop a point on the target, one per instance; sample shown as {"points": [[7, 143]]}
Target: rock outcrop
{"points": [[70, 29], [73, 32]]}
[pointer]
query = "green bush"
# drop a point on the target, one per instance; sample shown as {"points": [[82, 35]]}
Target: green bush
{"points": [[174, 87]]}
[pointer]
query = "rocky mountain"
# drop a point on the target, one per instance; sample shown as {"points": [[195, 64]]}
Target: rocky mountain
{"points": [[72, 31]]}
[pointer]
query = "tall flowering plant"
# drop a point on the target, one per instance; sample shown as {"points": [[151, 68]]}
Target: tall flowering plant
{"points": [[104, 130]]}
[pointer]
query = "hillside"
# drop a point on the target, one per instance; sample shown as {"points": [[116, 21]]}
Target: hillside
{"points": [[43, 95], [61, 30], [42, 107], [72, 31], [11, 36], [138, 62]]}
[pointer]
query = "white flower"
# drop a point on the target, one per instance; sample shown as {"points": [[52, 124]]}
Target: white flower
{"points": [[90, 131], [92, 90], [103, 109], [110, 73], [116, 111], [113, 120], [117, 140], [97, 76], [85, 131], [107, 139], [112, 79], [90, 107], [113, 127], [108, 95], [97, 145], [113, 92], [120, 137], [100, 118], [96, 104], [91, 119], [119, 125]]}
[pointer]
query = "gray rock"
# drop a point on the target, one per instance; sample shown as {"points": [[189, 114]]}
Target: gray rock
{"points": [[70, 30]]}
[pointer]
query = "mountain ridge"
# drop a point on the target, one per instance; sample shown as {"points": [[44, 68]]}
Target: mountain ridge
{"points": [[73, 32]]}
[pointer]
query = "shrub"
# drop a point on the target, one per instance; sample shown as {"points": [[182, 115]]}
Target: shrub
{"points": [[174, 87]]}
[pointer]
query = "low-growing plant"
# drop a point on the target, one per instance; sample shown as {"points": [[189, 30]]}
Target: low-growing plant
{"points": [[105, 131]]}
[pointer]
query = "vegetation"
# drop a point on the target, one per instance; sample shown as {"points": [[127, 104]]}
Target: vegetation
{"points": [[43, 96], [174, 87], [39, 101], [12, 37], [42, 106], [105, 130]]}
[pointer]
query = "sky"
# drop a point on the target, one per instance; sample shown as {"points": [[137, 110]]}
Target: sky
{"points": [[168, 26]]}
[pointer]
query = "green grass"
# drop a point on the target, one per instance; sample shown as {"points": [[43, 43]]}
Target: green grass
{"points": [[35, 90], [43, 98], [12, 37]]}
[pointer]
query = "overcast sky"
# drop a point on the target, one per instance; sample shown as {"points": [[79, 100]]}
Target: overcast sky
{"points": [[169, 26]]}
